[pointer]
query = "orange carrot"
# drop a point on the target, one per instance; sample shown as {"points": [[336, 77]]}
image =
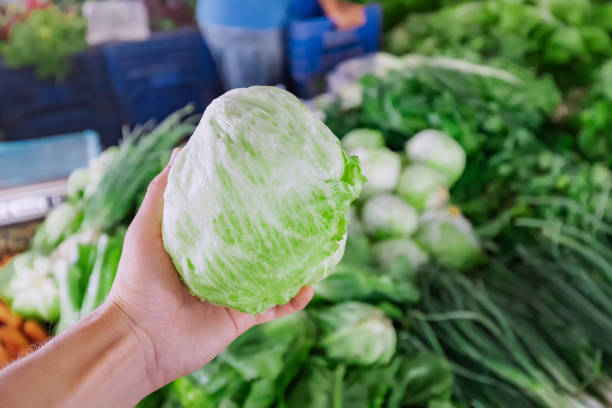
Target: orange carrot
{"points": [[34, 332], [4, 357], [9, 318], [13, 341]]}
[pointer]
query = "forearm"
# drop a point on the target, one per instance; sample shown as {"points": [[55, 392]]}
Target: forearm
{"points": [[329, 6], [97, 363]]}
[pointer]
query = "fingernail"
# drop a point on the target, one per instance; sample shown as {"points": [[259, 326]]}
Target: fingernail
{"points": [[175, 152]]}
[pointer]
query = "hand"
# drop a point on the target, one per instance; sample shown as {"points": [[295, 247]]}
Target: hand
{"points": [[347, 15], [177, 331]]}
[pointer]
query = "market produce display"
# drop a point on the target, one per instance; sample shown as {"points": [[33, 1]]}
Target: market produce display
{"points": [[477, 269], [46, 34], [45, 38], [70, 268]]}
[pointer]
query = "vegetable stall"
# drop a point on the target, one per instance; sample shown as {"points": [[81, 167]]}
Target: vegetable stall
{"points": [[478, 264]]}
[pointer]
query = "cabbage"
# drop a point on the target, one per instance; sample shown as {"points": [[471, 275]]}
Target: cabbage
{"points": [[388, 216], [255, 206], [33, 288], [362, 139], [422, 187], [388, 252], [381, 167], [439, 151], [350, 96], [62, 221], [448, 237], [356, 333]]}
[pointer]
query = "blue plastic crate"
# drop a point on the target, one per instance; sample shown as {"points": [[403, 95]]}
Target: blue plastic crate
{"points": [[302, 9], [154, 78], [315, 46], [31, 107], [55, 157]]}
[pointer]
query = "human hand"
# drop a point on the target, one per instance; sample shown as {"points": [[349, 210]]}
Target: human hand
{"points": [[347, 15], [177, 331]]}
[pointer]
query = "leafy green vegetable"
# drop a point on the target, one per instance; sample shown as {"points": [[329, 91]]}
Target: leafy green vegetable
{"points": [[83, 183], [256, 202], [388, 216], [360, 281], [46, 40], [126, 173], [449, 238], [72, 277], [381, 168], [423, 187], [389, 251], [103, 272], [32, 289], [254, 370], [60, 223], [438, 151], [356, 333], [420, 379], [483, 346], [562, 37], [595, 137], [363, 139], [327, 386]]}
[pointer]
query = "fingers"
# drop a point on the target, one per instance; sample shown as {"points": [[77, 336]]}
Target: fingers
{"points": [[149, 216], [296, 304]]}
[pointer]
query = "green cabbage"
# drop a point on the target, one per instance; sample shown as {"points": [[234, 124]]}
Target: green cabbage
{"points": [[448, 237], [387, 252], [439, 151], [363, 139], [356, 333], [256, 202], [388, 216], [381, 167], [422, 187]]}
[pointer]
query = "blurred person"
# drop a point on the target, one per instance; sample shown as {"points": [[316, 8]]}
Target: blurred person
{"points": [[246, 36], [149, 331]]}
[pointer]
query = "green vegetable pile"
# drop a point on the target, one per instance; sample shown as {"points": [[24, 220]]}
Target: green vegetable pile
{"points": [[567, 38], [45, 39], [477, 271], [527, 325], [74, 256]]}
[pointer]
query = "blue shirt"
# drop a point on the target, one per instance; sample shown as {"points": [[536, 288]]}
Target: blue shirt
{"points": [[251, 14]]}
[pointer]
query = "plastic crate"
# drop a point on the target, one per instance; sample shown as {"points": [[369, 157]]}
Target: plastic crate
{"points": [[31, 107], [154, 78], [315, 47], [301, 9], [36, 160]]}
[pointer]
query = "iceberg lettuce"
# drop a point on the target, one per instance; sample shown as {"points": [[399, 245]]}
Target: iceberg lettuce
{"points": [[256, 203]]}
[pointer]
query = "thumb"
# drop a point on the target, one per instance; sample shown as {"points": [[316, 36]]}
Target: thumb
{"points": [[149, 217]]}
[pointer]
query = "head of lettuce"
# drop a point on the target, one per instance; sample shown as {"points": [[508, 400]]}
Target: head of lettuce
{"points": [[256, 202]]}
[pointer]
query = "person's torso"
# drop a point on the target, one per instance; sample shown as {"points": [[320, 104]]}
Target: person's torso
{"points": [[252, 14]]}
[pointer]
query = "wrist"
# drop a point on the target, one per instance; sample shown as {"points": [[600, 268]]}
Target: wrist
{"points": [[97, 363], [138, 341]]}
